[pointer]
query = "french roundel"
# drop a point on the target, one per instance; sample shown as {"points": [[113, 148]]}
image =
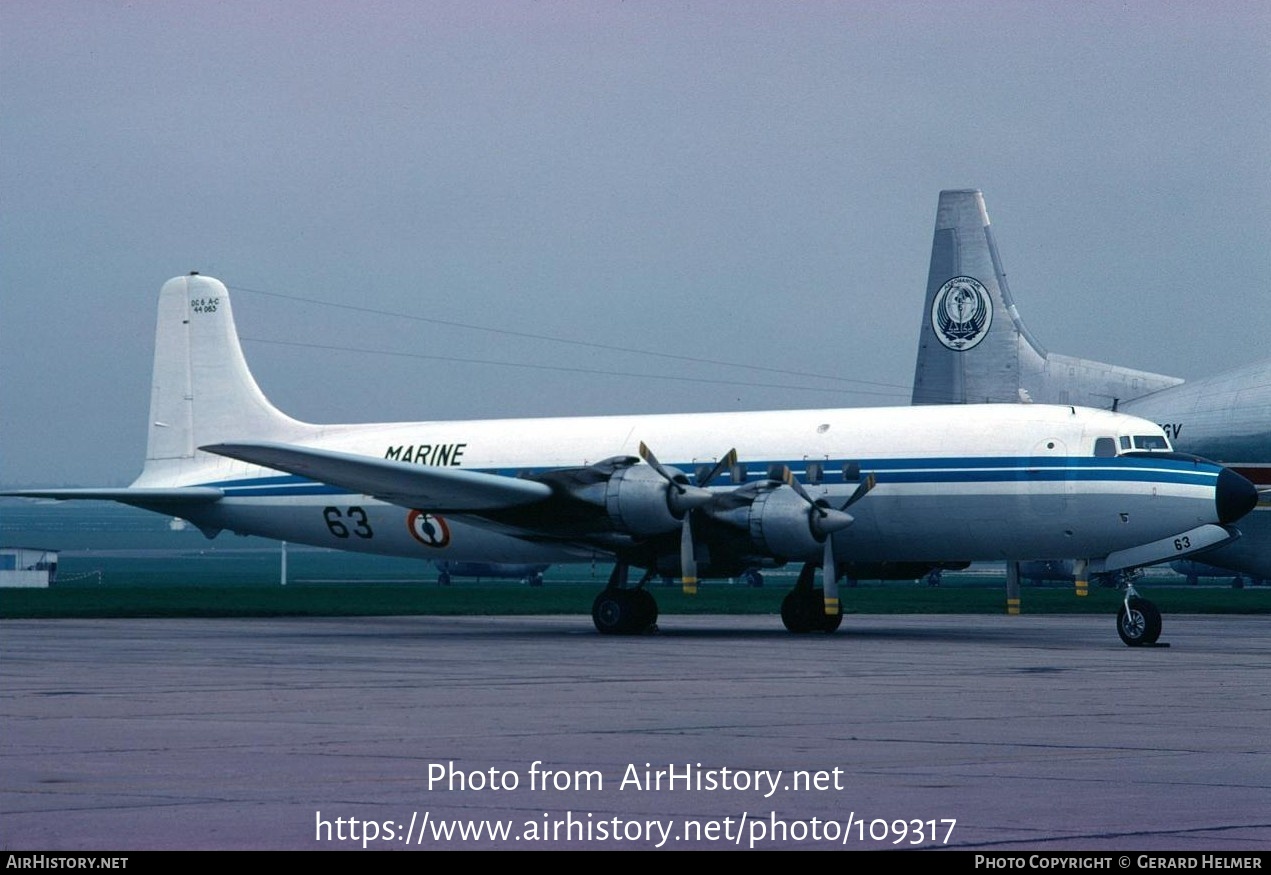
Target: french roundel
{"points": [[428, 529]]}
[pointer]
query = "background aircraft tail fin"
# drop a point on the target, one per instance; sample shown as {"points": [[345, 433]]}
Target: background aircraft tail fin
{"points": [[974, 347], [202, 390]]}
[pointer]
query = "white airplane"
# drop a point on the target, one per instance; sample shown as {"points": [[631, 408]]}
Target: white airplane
{"points": [[921, 483], [974, 348]]}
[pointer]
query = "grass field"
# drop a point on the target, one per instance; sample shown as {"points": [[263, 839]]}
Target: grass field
{"points": [[377, 599]]}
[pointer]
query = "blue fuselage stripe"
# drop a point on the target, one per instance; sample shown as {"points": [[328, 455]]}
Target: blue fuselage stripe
{"points": [[943, 471]]}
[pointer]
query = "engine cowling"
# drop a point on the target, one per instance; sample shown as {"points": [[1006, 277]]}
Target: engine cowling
{"points": [[778, 522], [640, 502]]}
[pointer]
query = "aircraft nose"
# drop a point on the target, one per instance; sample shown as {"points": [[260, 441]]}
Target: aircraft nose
{"points": [[1234, 495]]}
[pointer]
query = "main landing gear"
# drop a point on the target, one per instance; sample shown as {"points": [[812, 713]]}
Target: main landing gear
{"points": [[623, 610], [803, 608], [1138, 620]]}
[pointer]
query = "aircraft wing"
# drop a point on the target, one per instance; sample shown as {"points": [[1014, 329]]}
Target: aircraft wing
{"points": [[147, 497], [400, 483]]}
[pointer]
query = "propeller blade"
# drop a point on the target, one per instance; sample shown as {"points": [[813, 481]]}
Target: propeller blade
{"points": [[727, 461], [688, 557], [652, 461], [823, 518], [862, 489], [788, 478], [681, 497], [830, 579]]}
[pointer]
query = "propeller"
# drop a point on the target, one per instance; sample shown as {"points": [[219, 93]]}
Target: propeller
{"points": [[825, 520], [682, 498]]}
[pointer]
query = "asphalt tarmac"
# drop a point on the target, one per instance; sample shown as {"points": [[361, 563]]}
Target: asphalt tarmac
{"points": [[1001, 734]]}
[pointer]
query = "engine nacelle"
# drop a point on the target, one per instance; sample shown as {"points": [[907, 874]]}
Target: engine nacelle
{"points": [[636, 500], [777, 523]]}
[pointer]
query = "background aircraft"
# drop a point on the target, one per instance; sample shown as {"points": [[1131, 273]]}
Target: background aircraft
{"points": [[974, 348], [989, 482], [531, 574]]}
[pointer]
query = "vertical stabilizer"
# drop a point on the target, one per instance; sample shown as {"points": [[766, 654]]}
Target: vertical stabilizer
{"points": [[971, 347], [202, 390], [974, 348]]}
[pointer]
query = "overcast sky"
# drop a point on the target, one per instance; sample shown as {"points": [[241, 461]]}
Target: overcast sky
{"points": [[739, 182]]}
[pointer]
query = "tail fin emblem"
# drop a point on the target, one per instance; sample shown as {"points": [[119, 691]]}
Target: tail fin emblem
{"points": [[962, 313]]}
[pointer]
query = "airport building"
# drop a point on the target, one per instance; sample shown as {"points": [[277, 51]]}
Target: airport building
{"points": [[27, 566]]}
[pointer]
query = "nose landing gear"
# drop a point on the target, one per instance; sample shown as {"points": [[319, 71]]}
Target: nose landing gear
{"points": [[1138, 620]]}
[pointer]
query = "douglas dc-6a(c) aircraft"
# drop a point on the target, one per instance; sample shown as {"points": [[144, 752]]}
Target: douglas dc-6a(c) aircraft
{"points": [[921, 483], [975, 349]]}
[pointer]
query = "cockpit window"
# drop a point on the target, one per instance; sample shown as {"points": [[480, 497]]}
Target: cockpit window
{"points": [[1105, 447], [1150, 442], [1125, 442]]}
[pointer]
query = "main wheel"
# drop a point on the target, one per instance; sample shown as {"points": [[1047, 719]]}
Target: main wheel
{"points": [[623, 611], [804, 611], [646, 609], [1139, 625], [795, 614], [611, 612]]}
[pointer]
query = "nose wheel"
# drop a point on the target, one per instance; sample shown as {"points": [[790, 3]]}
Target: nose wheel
{"points": [[1138, 622]]}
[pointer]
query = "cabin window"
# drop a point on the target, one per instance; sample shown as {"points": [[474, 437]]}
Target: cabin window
{"points": [[737, 473], [1105, 447], [1150, 442], [851, 472], [703, 471], [814, 473], [776, 472]]}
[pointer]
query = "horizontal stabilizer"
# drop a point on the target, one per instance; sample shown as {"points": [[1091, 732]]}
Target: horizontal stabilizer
{"points": [[400, 483], [147, 497], [1179, 546]]}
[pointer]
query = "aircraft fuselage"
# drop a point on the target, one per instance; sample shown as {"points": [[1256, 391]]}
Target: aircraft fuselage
{"points": [[971, 483]]}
